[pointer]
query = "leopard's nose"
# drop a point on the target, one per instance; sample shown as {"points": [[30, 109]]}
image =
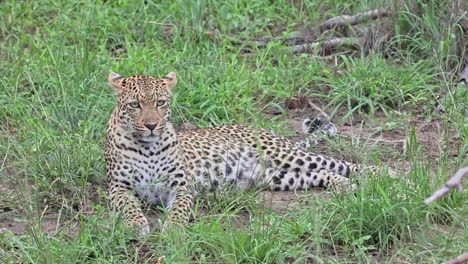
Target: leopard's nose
{"points": [[150, 126]]}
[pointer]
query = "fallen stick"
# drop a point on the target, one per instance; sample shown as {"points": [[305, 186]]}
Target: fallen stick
{"points": [[160, 23], [318, 109], [452, 183], [328, 44], [354, 20], [458, 260]]}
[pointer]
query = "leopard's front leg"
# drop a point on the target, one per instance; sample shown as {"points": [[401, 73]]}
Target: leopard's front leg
{"points": [[180, 209], [123, 201]]}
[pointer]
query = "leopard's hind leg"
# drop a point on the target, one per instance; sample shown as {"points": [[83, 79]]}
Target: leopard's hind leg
{"points": [[289, 180]]}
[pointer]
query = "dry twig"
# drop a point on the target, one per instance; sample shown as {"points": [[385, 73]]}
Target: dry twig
{"points": [[160, 260], [354, 20], [301, 44], [162, 24], [454, 182], [328, 44], [318, 109], [458, 260]]}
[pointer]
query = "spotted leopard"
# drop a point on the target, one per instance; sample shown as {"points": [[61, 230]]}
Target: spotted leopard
{"points": [[147, 160]]}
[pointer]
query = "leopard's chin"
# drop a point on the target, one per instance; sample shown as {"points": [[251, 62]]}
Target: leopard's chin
{"points": [[149, 139]]}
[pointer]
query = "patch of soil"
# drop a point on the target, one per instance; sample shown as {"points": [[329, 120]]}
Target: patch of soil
{"points": [[50, 224], [283, 202]]}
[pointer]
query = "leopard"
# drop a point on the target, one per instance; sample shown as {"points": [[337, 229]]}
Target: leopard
{"points": [[149, 162]]}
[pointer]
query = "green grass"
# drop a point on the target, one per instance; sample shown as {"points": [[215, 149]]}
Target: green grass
{"points": [[54, 59], [371, 84]]}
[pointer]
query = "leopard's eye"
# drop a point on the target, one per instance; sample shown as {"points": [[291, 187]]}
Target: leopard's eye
{"points": [[134, 105], [161, 103]]}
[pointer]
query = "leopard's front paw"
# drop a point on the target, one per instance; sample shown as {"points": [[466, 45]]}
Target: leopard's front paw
{"points": [[393, 174], [170, 224], [141, 227], [144, 230], [166, 227]]}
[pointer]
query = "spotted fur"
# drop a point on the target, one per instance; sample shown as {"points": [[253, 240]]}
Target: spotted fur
{"points": [[147, 160]]}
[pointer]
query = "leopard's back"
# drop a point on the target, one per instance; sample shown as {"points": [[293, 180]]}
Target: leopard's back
{"points": [[249, 157]]}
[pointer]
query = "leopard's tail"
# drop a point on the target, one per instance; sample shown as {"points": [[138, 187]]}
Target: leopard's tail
{"points": [[316, 128], [313, 125]]}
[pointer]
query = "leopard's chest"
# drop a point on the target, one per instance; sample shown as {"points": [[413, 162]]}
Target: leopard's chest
{"points": [[148, 170]]}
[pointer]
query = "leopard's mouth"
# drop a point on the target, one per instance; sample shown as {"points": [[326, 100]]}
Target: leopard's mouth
{"points": [[155, 132], [149, 139], [146, 134], [152, 135]]}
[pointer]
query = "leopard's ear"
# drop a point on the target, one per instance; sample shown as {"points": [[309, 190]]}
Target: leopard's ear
{"points": [[115, 80], [171, 80]]}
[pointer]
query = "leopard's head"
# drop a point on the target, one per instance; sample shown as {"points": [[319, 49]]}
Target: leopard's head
{"points": [[143, 103]]}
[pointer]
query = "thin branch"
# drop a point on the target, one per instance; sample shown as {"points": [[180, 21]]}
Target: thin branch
{"points": [[452, 183], [328, 44], [160, 260], [162, 24], [318, 109], [300, 44], [458, 260], [354, 20], [405, 147]]}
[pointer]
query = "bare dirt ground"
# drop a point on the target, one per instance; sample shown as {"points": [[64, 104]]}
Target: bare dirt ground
{"points": [[16, 215]]}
